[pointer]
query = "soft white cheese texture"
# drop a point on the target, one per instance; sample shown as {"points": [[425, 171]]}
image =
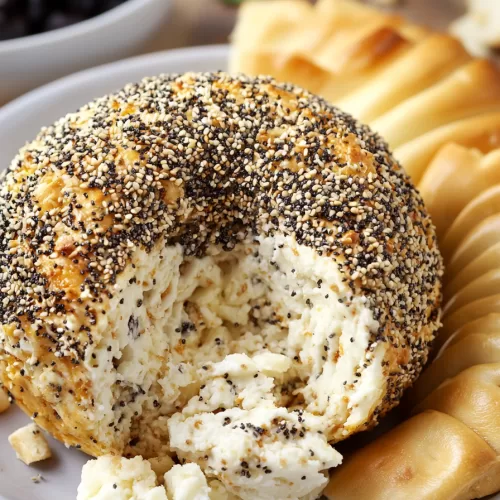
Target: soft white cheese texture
{"points": [[246, 363], [116, 478], [187, 482]]}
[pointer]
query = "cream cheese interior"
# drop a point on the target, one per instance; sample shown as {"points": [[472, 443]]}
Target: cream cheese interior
{"points": [[247, 363]]}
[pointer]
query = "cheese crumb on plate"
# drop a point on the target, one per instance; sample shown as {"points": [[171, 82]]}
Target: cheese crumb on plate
{"points": [[30, 444]]}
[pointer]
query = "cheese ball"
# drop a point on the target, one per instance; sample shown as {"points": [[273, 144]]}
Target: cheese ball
{"points": [[224, 269]]}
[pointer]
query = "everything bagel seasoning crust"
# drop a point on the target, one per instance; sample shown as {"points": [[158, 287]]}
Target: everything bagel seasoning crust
{"points": [[223, 268]]}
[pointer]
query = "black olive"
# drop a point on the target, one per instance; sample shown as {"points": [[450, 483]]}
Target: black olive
{"points": [[13, 28], [20, 18], [86, 8], [13, 7], [58, 20], [35, 14]]}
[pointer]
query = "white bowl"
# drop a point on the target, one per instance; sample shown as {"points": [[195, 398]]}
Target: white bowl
{"points": [[20, 120], [27, 62]]}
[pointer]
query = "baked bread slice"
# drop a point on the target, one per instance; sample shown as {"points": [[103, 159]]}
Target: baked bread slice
{"points": [[464, 351], [480, 132], [484, 205], [420, 67], [467, 396], [465, 173], [432, 455], [330, 49]]}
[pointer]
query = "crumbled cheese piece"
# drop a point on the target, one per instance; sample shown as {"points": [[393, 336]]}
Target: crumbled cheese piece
{"points": [[4, 401], [30, 444], [117, 478], [271, 364], [187, 482]]}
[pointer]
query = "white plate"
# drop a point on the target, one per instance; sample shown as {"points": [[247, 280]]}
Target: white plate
{"points": [[19, 122]]}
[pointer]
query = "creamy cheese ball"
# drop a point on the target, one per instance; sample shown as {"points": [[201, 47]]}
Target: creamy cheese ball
{"points": [[222, 269]]}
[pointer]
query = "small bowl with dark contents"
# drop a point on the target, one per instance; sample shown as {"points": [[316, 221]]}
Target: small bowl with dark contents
{"points": [[41, 40]]}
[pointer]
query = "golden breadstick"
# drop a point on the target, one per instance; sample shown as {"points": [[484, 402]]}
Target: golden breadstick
{"points": [[354, 43], [481, 238], [265, 38], [482, 206], [330, 50], [268, 27], [484, 286], [484, 263], [431, 456], [481, 132], [418, 68], [455, 177], [454, 98], [348, 41], [453, 170], [466, 314], [474, 349], [351, 13], [488, 324], [473, 397], [361, 61]]}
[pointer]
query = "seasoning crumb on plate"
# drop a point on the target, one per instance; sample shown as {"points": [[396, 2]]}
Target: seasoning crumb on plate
{"points": [[37, 479], [30, 444]]}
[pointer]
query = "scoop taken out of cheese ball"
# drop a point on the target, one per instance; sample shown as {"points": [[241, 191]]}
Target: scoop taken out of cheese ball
{"points": [[225, 269]]}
